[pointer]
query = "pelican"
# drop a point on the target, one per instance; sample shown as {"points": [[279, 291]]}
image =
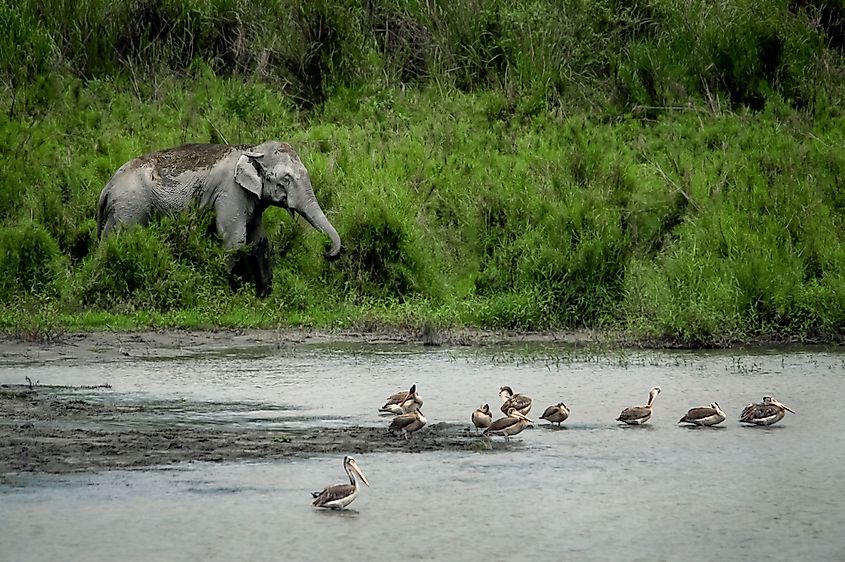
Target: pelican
{"points": [[518, 402], [341, 495], [481, 418], [768, 412], [706, 415], [638, 415], [406, 424], [509, 425], [556, 414], [402, 402]]}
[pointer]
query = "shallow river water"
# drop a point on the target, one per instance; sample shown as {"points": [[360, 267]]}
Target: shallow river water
{"points": [[594, 490]]}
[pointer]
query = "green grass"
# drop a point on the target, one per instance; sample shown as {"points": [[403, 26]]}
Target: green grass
{"points": [[670, 170]]}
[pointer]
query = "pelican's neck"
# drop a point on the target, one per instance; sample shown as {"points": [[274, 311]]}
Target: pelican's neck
{"points": [[651, 396], [350, 474]]}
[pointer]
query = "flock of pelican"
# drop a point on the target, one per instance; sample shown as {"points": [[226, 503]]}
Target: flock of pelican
{"points": [[405, 409], [408, 418]]}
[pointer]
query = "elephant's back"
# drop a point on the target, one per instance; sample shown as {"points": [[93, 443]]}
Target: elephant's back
{"points": [[175, 176], [172, 162]]}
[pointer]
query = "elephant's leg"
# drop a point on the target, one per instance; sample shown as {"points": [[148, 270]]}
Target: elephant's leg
{"points": [[260, 268], [231, 228], [239, 268], [127, 202], [108, 227], [259, 260]]}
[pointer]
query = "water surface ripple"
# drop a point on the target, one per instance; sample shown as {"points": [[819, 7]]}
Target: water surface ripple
{"points": [[592, 491]]}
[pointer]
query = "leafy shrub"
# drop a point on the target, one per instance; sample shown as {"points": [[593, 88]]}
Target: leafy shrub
{"points": [[135, 269], [511, 310], [384, 256], [191, 238], [286, 235], [30, 261]]}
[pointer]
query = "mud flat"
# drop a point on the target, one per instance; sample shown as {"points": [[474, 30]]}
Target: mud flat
{"points": [[43, 430], [60, 430], [162, 344]]}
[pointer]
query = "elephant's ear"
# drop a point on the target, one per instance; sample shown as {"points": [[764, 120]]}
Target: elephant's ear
{"points": [[246, 176]]}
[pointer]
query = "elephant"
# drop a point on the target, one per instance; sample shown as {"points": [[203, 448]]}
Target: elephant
{"points": [[236, 182]]}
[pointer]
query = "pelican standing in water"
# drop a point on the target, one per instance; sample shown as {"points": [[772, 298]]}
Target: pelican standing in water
{"points": [[518, 402], [402, 402], [556, 414], [481, 418], [707, 415], [768, 412], [509, 425], [406, 424], [341, 495], [638, 415]]}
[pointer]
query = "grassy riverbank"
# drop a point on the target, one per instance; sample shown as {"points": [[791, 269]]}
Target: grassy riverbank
{"points": [[668, 170]]}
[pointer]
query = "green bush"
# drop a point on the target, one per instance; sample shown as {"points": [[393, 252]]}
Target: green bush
{"points": [[30, 261], [510, 310], [136, 270], [191, 240], [384, 256]]}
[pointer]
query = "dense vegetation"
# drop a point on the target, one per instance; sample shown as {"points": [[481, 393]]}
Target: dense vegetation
{"points": [[671, 169]]}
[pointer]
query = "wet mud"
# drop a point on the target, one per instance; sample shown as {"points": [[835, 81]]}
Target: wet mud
{"points": [[45, 347], [60, 430], [45, 429]]}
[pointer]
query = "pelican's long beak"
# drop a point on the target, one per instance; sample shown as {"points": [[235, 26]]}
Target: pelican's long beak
{"points": [[784, 406], [523, 416], [361, 474]]}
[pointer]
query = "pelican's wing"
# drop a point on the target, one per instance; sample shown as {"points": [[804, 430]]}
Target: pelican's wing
{"points": [[399, 422], [394, 409], [522, 402], [633, 413], [748, 412], [764, 411], [416, 425], [501, 423], [332, 493], [397, 398], [758, 411], [479, 418], [699, 414], [549, 411], [518, 402]]}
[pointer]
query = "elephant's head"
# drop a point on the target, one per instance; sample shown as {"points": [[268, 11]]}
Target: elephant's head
{"points": [[273, 172]]}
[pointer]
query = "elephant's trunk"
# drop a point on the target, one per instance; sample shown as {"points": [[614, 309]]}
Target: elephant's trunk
{"points": [[317, 218]]}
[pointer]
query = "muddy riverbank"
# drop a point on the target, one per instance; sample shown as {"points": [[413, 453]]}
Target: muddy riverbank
{"points": [[59, 430], [162, 344], [42, 430]]}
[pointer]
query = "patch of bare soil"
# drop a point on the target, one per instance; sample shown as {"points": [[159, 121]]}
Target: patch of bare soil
{"points": [[44, 431], [107, 345]]}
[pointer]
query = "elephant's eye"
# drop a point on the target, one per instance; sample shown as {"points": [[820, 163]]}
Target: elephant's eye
{"points": [[286, 180]]}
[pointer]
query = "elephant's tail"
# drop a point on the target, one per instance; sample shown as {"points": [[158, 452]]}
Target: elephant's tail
{"points": [[101, 210]]}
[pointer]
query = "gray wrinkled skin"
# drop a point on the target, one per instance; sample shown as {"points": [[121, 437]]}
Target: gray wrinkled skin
{"points": [[236, 181]]}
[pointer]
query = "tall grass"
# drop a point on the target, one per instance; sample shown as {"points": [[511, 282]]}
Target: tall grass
{"points": [[543, 54], [673, 169]]}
